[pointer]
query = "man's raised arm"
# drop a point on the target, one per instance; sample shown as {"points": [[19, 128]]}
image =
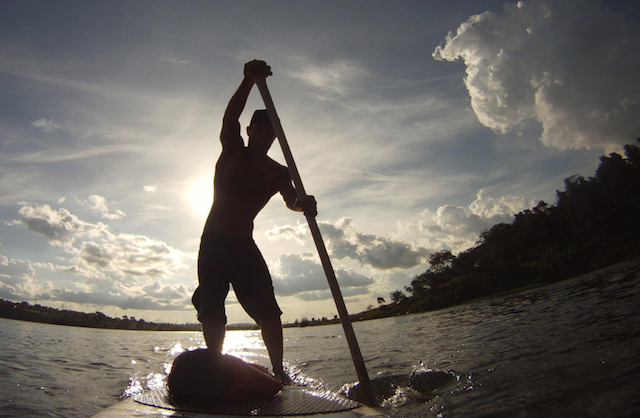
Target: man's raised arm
{"points": [[230, 135]]}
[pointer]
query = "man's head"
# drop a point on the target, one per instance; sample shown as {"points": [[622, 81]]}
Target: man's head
{"points": [[260, 131]]}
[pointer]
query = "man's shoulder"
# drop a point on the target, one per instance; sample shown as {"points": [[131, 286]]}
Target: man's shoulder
{"points": [[276, 165]]}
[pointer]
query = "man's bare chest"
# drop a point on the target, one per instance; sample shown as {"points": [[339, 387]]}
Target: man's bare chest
{"points": [[243, 174]]}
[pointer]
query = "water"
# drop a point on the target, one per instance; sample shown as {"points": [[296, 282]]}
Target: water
{"points": [[567, 350]]}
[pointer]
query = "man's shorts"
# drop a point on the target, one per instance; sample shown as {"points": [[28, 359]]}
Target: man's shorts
{"points": [[227, 260]]}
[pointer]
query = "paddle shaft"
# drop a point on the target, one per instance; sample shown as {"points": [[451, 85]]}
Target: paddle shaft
{"points": [[356, 355]]}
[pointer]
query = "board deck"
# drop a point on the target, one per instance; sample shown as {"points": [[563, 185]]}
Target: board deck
{"points": [[292, 401]]}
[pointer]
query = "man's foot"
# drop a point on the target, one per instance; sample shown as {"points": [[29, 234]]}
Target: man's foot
{"points": [[284, 378]]}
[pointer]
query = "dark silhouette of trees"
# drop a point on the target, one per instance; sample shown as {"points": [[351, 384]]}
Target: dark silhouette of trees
{"points": [[594, 223], [397, 296], [36, 313]]}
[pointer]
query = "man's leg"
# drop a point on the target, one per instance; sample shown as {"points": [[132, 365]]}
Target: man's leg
{"points": [[272, 335], [213, 330]]}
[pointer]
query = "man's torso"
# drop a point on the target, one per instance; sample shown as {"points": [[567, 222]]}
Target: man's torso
{"points": [[244, 183]]}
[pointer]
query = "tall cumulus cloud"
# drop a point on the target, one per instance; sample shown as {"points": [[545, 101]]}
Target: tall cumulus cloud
{"points": [[570, 65]]}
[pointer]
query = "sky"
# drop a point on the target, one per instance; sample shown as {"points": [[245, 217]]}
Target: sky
{"points": [[415, 124]]}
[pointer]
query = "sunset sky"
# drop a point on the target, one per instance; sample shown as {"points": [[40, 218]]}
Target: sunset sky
{"points": [[416, 124]]}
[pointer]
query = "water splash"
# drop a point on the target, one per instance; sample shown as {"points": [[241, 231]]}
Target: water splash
{"points": [[133, 388], [419, 386], [299, 378]]}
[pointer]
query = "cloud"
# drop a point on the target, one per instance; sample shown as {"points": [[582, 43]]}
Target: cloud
{"points": [[288, 232], [457, 228], [147, 295], [60, 226], [302, 276], [331, 78], [99, 203], [377, 252], [16, 278], [326, 294], [107, 268], [121, 300], [172, 60], [489, 208], [571, 66], [343, 241], [46, 126], [127, 255], [151, 189]]}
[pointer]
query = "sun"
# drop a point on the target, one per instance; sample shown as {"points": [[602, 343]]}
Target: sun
{"points": [[200, 195]]}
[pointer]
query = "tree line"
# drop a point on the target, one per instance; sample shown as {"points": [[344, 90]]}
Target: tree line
{"points": [[594, 223], [43, 314]]}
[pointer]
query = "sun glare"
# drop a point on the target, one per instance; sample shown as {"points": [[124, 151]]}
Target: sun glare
{"points": [[200, 195]]}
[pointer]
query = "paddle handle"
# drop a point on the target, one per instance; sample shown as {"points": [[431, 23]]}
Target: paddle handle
{"points": [[356, 355]]}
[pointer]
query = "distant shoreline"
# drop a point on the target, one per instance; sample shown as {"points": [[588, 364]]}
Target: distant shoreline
{"points": [[404, 307], [23, 311]]}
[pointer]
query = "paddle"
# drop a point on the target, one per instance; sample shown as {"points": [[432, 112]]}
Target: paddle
{"points": [[356, 355]]}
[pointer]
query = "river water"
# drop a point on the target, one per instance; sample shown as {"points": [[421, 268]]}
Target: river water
{"points": [[571, 349]]}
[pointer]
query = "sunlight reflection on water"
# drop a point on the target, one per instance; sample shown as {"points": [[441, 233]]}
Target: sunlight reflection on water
{"points": [[238, 341]]}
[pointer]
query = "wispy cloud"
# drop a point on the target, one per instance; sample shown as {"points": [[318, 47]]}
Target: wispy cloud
{"points": [[332, 78], [46, 126]]}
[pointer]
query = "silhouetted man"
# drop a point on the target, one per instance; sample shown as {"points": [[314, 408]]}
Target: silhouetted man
{"points": [[245, 179]]}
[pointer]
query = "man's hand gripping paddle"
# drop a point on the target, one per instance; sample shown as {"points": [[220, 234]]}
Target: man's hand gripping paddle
{"points": [[356, 355]]}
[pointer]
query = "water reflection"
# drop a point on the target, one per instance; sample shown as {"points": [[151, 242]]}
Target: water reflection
{"points": [[242, 341], [176, 349]]}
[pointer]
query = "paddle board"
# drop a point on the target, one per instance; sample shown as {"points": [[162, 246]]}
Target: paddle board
{"points": [[292, 401]]}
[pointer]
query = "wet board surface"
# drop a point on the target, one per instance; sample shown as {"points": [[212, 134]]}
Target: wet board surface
{"points": [[292, 401]]}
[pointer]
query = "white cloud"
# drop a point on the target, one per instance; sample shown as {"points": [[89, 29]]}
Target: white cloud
{"points": [[60, 226], [326, 294], [288, 232], [99, 204], [331, 78], [377, 252], [127, 255], [302, 276], [46, 126], [16, 278], [488, 207], [106, 268], [150, 189], [457, 228], [343, 241], [570, 65], [121, 300]]}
